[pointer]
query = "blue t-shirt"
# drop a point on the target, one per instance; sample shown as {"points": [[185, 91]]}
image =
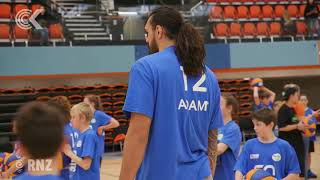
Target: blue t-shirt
{"points": [[86, 146], [278, 158], [27, 176], [308, 112], [182, 110], [261, 106], [71, 134], [230, 135], [100, 119]]}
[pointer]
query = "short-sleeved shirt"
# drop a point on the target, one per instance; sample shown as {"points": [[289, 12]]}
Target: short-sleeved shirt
{"points": [[182, 110], [261, 106], [71, 134], [278, 158], [100, 119], [287, 116], [86, 146], [230, 135]]}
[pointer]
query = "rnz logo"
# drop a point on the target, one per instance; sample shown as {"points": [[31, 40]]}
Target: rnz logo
{"points": [[40, 165]]}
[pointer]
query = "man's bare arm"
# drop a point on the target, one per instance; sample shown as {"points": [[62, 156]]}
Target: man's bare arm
{"points": [[212, 149]]}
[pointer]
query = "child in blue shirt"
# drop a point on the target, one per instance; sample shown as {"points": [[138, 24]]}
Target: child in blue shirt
{"points": [[100, 121], [85, 154], [267, 152], [229, 139]]}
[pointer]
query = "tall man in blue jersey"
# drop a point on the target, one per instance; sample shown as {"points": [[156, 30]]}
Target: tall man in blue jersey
{"points": [[174, 103]]}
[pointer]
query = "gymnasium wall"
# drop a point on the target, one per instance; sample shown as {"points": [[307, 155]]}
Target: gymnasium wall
{"points": [[106, 59]]}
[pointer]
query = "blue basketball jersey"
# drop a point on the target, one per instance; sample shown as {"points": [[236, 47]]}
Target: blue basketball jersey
{"points": [[86, 146], [100, 119], [71, 134], [278, 158], [230, 135], [182, 110], [261, 106]]}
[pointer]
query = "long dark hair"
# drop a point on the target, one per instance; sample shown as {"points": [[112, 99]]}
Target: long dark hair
{"points": [[189, 44]]}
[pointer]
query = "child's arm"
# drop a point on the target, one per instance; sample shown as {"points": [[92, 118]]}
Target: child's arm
{"points": [[84, 163], [256, 95], [272, 94], [112, 124], [221, 148], [292, 177], [238, 175]]}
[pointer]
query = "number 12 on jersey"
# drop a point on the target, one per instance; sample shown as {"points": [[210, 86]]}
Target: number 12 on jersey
{"points": [[197, 87]]}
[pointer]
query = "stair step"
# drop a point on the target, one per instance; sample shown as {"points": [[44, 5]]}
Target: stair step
{"points": [[82, 17], [81, 20], [68, 4], [91, 34], [91, 38], [83, 25], [86, 29]]}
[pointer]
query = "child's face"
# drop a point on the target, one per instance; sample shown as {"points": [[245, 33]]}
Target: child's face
{"points": [[295, 97], [226, 110], [75, 120], [86, 100], [262, 130], [304, 100], [265, 101]]}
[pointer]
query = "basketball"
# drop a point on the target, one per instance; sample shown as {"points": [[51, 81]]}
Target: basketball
{"points": [[258, 174], [11, 159], [257, 82], [311, 130]]}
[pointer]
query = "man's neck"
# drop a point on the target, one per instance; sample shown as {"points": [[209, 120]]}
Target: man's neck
{"points": [[165, 45], [290, 103]]}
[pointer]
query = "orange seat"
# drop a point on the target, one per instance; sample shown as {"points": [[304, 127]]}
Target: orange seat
{"points": [[267, 11], [21, 7], [262, 29], [279, 10], [301, 10], [55, 31], [249, 29], [5, 11], [235, 29], [293, 10], [275, 29], [301, 28], [20, 33], [119, 137], [216, 12], [4, 31], [255, 12], [221, 29], [229, 12], [242, 12]]}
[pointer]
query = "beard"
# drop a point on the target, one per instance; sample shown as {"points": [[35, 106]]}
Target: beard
{"points": [[153, 47]]}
